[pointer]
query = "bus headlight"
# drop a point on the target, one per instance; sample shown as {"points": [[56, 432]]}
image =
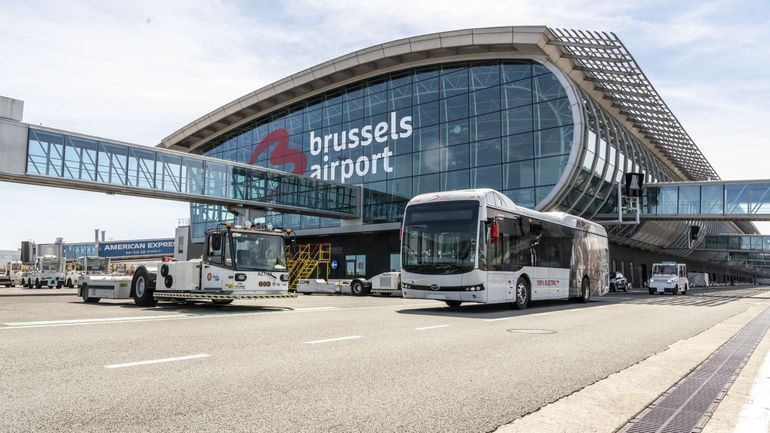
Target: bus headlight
{"points": [[284, 277], [240, 277]]}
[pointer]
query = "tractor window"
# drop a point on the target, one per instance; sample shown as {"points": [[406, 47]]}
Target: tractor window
{"points": [[214, 249], [228, 256]]}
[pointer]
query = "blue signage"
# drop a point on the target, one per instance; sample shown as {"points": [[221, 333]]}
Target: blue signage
{"points": [[334, 264], [139, 248]]}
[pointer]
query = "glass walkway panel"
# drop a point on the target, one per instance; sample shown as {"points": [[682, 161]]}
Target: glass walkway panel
{"points": [[710, 200], [752, 251], [65, 160], [737, 243]]}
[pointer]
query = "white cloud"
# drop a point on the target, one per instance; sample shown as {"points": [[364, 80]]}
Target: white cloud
{"points": [[137, 71]]}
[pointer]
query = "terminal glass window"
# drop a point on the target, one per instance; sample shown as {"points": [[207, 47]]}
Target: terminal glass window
{"points": [[419, 130]]}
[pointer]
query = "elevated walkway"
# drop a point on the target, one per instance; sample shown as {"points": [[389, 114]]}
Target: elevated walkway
{"points": [[43, 156], [736, 200]]}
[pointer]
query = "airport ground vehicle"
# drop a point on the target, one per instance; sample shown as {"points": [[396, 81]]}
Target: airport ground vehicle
{"points": [[618, 282], [385, 283], [478, 246], [668, 277], [698, 279], [86, 266], [48, 271], [10, 275], [20, 279], [237, 263]]}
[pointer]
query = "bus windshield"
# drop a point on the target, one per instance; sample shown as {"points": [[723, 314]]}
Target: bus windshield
{"points": [[440, 238], [664, 270], [258, 252]]}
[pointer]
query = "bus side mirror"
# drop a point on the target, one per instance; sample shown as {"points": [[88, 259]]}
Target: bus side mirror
{"points": [[494, 232], [293, 247]]}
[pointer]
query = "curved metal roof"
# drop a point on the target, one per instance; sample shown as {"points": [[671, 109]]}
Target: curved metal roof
{"points": [[598, 62]]}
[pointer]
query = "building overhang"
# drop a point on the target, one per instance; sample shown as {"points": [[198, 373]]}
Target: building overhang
{"points": [[598, 62]]}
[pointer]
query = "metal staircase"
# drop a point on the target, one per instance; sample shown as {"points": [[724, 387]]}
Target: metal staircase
{"points": [[309, 261]]}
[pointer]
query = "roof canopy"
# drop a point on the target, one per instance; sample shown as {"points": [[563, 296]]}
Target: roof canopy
{"points": [[598, 62]]}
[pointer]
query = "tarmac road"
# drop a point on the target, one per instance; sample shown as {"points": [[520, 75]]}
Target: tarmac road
{"points": [[322, 363]]}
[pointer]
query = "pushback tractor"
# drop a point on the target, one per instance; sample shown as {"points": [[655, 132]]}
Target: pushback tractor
{"points": [[237, 263]]}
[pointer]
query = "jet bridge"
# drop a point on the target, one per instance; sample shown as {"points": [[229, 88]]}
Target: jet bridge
{"points": [[48, 157], [736, 200]]}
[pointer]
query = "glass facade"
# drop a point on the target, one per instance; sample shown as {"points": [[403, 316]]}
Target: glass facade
{"points": [[609, 152], [506, 125]]}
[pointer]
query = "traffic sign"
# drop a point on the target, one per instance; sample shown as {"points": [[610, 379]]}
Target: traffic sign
{"points": [[334, 264], [634, 183]]}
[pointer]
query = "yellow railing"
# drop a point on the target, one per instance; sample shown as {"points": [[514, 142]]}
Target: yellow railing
{"points": [[309, 260]]}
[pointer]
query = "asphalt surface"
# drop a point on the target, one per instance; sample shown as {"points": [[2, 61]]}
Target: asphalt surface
{"points": [[322, 363]]}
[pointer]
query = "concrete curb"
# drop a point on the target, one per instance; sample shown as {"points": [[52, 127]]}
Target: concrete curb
{"points": [[607, 405]]}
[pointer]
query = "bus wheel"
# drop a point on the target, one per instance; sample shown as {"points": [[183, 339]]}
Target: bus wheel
{"points": [[585, 291], [453, 304], [684, 292], [522, 294], [675, 290]]}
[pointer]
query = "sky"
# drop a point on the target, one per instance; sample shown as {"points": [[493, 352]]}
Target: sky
{"points": [[138, 71]]}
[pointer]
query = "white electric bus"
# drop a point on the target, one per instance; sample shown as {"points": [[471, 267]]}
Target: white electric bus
{"points": [[478, 246]]}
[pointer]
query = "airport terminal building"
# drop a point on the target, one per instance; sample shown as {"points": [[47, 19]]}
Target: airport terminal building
{"points": [[551, 118]]}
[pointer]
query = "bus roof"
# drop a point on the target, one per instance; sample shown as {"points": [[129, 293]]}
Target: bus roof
{"points": [[490, 197]]}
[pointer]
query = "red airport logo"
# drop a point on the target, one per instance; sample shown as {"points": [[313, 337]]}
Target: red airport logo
{"points": [[282, 153]]}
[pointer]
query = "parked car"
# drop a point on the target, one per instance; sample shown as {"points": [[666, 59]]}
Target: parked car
{"points": [[618, 282]]}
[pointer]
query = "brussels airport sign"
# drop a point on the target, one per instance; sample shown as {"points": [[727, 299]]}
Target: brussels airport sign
{"points": [[150, 247], [329, 146]]}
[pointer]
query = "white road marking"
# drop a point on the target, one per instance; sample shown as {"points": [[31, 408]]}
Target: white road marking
{"points": [[425, 328], [157, 361], [515, 317], [755, 415], [106, 319], [315, 308], [81, 322], [329, 340]]}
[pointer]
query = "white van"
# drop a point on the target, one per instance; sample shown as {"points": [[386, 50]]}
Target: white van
{"points": [[669, 277]]}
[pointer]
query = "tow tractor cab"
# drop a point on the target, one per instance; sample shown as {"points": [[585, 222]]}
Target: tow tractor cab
{"points": [[49, 271], [7, 275], [669, 277], [11, 274], [237, 263], [85, 266]]}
